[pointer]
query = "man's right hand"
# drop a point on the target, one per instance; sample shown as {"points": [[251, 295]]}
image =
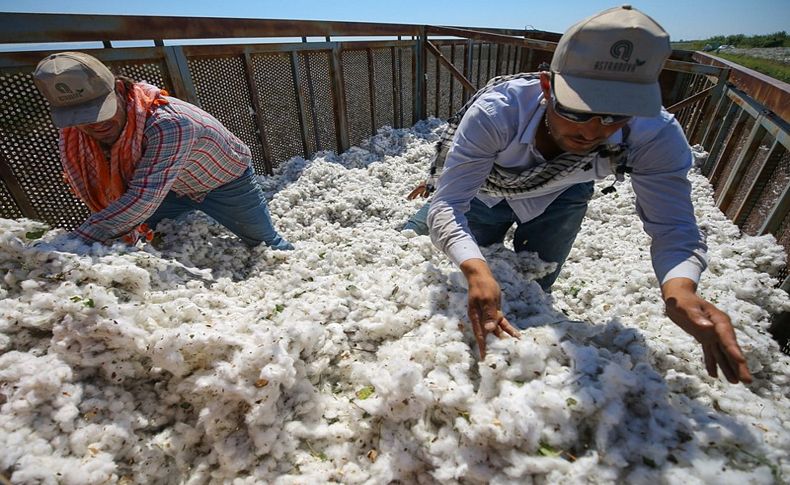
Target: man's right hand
{"points": [[484, 303]]}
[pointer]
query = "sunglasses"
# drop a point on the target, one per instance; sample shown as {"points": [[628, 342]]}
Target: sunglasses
{"points": [[581, 117]]}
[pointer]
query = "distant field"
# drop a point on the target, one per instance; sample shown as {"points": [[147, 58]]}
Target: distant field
{"points": [[776, 70], [771, 61]]}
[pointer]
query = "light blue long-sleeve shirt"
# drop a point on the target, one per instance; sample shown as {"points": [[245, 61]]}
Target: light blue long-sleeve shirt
{"points": [[500, 127]]}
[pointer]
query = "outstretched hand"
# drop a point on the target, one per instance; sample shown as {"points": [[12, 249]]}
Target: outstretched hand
{"points": [[419, 191], [710, 326], [483, 304]]}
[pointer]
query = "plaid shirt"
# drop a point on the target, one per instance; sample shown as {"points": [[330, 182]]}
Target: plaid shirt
{"points": [[185, 150]]}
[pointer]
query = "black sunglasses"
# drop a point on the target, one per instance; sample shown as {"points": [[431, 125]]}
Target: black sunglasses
{"points": [[582, 117]]}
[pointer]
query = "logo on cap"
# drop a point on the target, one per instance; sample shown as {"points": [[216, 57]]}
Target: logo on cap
{"points": [[63, 88], [68, 94], [622, 49]]}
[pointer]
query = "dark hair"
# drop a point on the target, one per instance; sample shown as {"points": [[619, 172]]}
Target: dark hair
{"points": [[127, 81]]}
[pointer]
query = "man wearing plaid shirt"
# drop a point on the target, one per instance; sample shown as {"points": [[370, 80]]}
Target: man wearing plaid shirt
{"points": [[135, 156]]}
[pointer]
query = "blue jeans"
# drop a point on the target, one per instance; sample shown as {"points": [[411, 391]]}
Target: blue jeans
{"points": [[238, 205], [551, 234]]}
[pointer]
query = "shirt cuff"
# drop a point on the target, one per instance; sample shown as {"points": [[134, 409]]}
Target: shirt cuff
{"points": [[463, 251], [690, 268]]}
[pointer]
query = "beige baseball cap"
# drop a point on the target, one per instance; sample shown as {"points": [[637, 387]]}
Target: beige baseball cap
{"points": [[610, 62], [79, 88]]}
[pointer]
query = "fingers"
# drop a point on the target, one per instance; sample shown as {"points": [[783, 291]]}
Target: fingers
{"points": [[729, 354], [477, 329], [710, 360], [495, 323], [417, 192], [724, 365], [509, 329], [732, 355]]}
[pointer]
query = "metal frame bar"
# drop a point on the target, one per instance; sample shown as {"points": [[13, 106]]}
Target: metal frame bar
{"points": [[732, 141], [311, 94], [733, 115], [257, 106], [777, 213], [712, 105], [449, 65], [41, 27], [300, 107], [15, 189], [339, 99], [371, 90]]}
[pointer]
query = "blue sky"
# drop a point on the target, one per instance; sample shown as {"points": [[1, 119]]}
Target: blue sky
{"points": [[683, 19]]}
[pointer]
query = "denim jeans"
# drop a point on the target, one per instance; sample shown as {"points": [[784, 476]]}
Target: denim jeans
{"points": [[551, 234], [238, 205]]}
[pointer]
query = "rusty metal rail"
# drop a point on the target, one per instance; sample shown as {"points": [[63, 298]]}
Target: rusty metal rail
{"points": [[288, 99]]}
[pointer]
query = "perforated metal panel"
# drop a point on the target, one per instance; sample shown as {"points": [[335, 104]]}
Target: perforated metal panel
{"points": [[355, 74], [382, 74], [275, 83], [152, 73], [317, 95], [223, 92], [28, 141]]}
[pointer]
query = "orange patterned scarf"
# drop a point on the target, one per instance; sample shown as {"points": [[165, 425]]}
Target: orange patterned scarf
{"points": [[83, 159], [91, 177]]}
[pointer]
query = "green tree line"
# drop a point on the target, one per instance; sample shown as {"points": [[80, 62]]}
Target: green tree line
{"points": [[777, 39]]}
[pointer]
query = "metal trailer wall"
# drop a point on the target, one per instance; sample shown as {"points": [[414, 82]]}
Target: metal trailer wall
{"points": [[291, 99]]}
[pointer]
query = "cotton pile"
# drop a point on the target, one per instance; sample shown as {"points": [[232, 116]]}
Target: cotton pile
{"points": [[350, 359]]}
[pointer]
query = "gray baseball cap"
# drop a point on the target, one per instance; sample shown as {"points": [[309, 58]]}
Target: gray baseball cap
{"points": [[79, 88], [610, 62]]}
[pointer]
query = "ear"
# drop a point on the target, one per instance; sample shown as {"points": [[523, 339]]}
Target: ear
{"points": [[120, 88], [545, 83]]}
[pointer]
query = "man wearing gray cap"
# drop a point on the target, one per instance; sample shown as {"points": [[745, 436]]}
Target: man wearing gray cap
{"points": [[135, 156], [527, 148]]}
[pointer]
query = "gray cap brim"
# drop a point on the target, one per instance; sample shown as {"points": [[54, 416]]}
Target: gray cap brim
{"points": [[607, 96], [94, 111]]}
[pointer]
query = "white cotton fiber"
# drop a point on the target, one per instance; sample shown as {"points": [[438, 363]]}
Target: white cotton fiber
{"points": [[351, 359]]}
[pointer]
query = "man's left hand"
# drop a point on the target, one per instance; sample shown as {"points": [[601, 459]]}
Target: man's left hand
{"points": [[710, 326]]}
